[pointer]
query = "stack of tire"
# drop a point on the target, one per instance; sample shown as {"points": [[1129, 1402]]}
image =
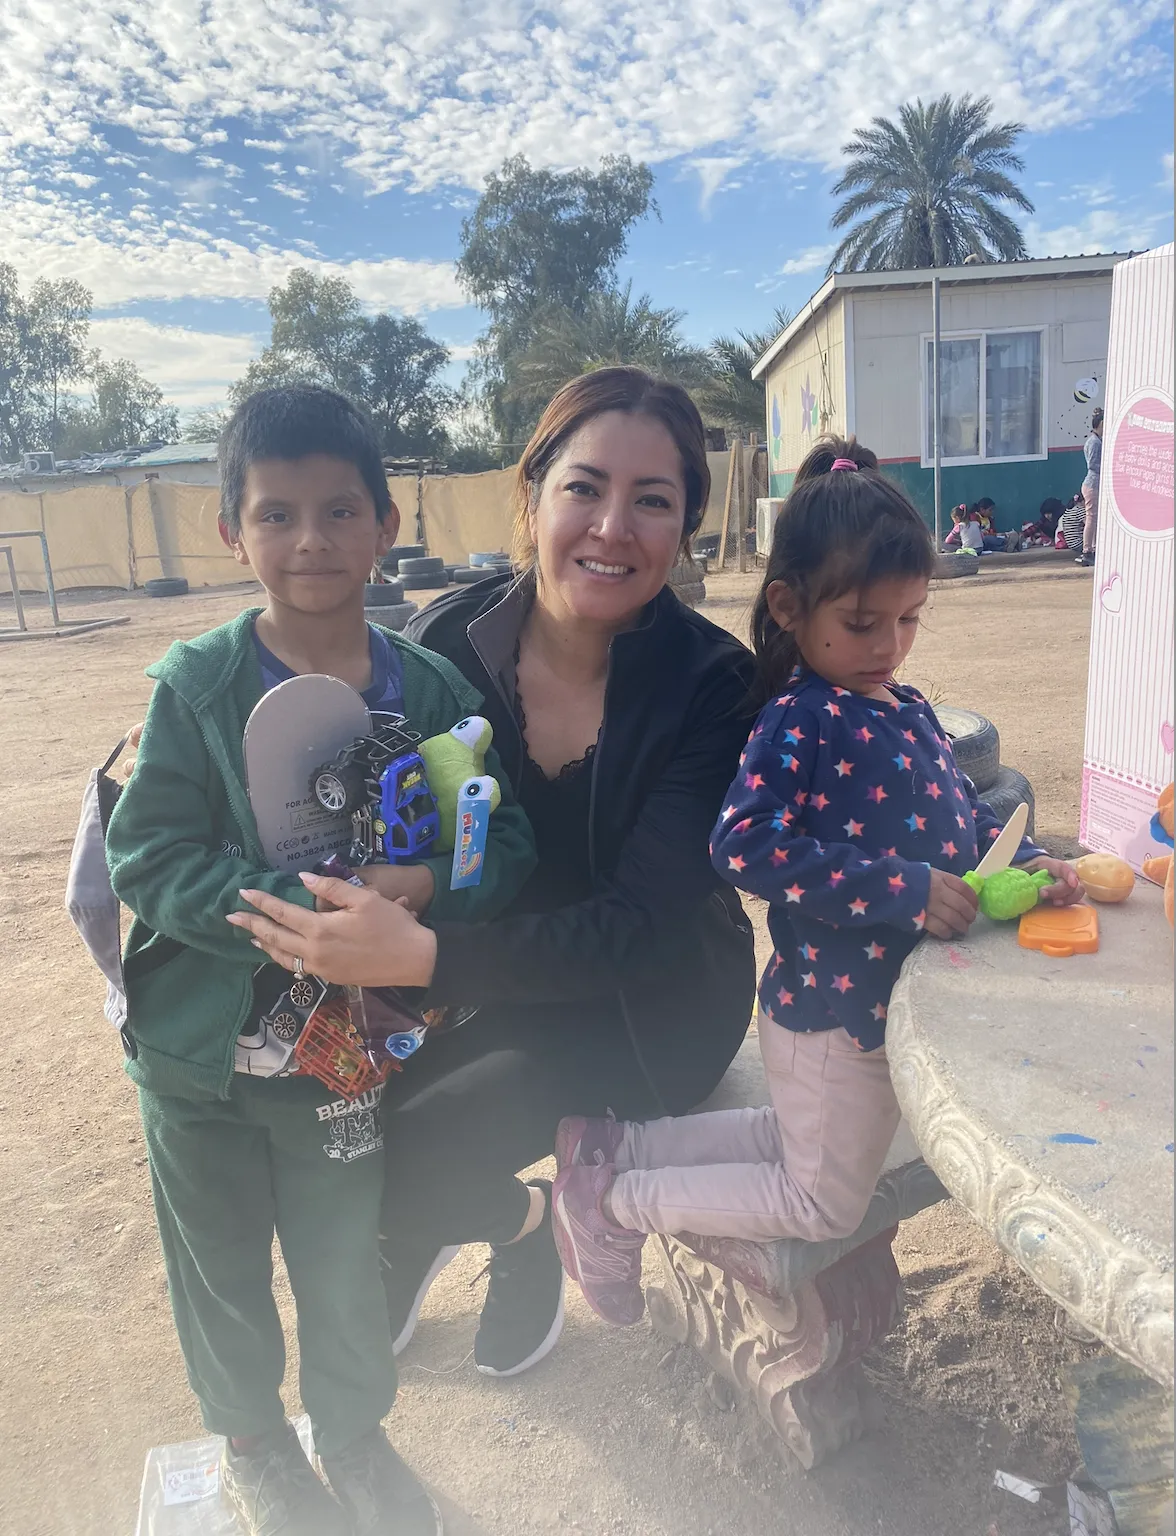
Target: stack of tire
{"points": [[687, 579], [951, 564], [482, 564], [384, 603], [976, 743]]}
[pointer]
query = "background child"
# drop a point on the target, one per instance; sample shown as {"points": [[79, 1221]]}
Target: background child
{"points": [[850, 815], [965, 531], [236, 1153]]}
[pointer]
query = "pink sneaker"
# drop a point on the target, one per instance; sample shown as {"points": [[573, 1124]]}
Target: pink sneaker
{"points": [[603, 1259], [580, 1142]]}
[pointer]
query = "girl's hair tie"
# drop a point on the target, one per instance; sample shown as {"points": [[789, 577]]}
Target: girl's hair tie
{"points": [[841, 464]]}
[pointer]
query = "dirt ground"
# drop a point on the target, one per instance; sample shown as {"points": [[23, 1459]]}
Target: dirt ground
{"points": [[614, 1435]]}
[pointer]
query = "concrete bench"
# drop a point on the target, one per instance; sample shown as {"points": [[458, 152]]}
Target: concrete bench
{"points": [[787, 1323]]}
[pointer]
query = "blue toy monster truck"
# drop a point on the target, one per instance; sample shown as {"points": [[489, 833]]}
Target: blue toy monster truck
{"points": [[380, 780]]}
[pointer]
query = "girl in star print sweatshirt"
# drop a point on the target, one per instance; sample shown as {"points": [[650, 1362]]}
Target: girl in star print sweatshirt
{"points": [[850, 815]]}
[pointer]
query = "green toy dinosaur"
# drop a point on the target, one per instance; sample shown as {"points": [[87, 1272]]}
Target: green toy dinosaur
{"points": [[1009, 893], [450, 759]]}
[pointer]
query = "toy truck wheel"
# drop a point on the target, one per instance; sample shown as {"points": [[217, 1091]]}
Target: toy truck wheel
{"points": [[339, 788]]}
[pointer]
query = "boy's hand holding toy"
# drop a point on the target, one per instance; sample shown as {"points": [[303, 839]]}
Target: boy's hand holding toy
{"points": [[951, 906]]}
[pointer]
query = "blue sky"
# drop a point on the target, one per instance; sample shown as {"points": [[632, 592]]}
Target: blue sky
{"points": [[181, 158]]}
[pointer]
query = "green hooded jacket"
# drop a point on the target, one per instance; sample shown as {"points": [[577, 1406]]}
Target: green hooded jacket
{"points": [[182, 842]]}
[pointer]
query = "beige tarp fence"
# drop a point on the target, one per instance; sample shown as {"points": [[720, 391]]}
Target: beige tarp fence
{"points": [[467, 513], [111, 536]]}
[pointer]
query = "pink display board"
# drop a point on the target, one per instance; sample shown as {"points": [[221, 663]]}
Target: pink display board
{"points": [[1129, 710]]}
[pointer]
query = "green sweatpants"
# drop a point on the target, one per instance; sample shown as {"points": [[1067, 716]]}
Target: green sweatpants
{"points": [[284, 1155]]}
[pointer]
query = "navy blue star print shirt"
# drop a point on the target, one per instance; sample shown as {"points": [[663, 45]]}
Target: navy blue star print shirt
{"points": [[841, 806]]}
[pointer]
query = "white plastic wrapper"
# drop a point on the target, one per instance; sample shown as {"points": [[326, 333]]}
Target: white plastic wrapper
{"points": [[181, 1488]]}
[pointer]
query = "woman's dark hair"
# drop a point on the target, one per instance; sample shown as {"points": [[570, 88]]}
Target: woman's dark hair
{"points": [[820, 458], [836, 533], [985, 504], [1096, 417], [633, 392], [292, 423], [1050, 510]]}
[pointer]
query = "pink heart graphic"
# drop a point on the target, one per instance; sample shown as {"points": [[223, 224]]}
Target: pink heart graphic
{"points": [[1166, 735], [1111, 595]]}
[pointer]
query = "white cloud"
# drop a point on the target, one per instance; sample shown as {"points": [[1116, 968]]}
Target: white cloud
{"points": [[126, 260], [1166, 162], [192, 368], [814, 259], [1102, 230], [713, 173], [440, 91]]}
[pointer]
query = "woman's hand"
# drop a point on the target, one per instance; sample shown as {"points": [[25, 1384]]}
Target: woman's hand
{"points": [[412, 883], [367, 941], [1066, 889]]}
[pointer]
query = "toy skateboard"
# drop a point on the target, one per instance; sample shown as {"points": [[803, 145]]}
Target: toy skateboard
{"points": [[328, 786], [293, 729]]}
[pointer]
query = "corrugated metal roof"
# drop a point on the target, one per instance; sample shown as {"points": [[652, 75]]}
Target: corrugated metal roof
{"points": [[920, 277], [119, 458], [178, 453]]}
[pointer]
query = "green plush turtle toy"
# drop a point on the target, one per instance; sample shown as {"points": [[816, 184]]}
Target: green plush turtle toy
{"points": [[1008, 893], [450, 759]]}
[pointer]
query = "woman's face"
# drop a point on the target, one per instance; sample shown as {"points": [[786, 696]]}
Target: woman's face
{"points": [[608, 523]]}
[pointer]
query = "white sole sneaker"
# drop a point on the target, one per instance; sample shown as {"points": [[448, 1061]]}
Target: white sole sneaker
{"points": [[536, 1355], [402, 1340]]}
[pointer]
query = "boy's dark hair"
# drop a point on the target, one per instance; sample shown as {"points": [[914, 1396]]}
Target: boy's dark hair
{"points": [[838, 532], [292, 423], [1096, 417]]}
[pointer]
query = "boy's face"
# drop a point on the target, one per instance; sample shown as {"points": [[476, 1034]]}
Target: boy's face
{"points": [[310, 532]]}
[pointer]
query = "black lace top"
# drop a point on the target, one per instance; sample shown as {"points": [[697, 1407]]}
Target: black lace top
{"points": [[557, 809]]}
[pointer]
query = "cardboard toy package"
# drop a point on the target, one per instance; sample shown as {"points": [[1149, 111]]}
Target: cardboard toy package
{"points": [[1127, 758]]}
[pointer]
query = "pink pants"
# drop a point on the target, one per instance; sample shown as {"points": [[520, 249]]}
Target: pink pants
{"points": [[804, 1166], [1090, 527]]}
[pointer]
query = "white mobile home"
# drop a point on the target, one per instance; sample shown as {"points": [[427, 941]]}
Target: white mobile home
{"points": [[1023, 363]]}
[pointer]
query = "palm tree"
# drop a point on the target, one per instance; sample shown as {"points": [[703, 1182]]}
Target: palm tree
{"points": [[731, 397], [610, 329], [934, 178]]}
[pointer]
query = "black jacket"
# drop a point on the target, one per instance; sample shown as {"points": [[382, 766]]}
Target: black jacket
{"points": [[662, 944]]}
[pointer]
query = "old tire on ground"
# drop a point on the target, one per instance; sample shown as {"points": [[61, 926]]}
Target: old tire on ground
{"points": [[975, 741], [382, 594], [466, 575], [428, 565], [166, 586], [400, 552], [450, 571], [396, 616], [1005, 794], [686, 573], [692, 594], [948, 566], [427, 581], [489, 557]]}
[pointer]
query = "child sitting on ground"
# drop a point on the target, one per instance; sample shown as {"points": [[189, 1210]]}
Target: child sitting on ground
{"points": [[965, 531], [237, 1151], [852, 818]]}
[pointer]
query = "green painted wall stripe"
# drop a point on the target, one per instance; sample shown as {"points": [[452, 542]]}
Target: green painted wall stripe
{"points": [[1017, 489]]}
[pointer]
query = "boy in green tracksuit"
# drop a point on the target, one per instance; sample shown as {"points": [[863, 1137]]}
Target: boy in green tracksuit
{"points": [[240, 1146]]}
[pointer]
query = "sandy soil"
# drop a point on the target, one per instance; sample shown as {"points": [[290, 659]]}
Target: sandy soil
{"points": [[614, 1435]]}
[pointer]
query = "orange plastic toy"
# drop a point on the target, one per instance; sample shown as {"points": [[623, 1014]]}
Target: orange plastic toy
{"points": [[1161, 869], [1060, 931]]}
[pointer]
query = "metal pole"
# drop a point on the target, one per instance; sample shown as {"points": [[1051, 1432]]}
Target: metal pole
{"points": [[936, 412], [49, 587], [20, 616]]}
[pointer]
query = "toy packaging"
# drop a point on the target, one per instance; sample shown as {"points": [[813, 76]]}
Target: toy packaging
{"points": [[334, 789], [1127, 758]]}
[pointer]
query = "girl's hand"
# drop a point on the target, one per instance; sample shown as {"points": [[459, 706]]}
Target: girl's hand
{"points": [[951, 905], [366, 941], [1066, 889]]}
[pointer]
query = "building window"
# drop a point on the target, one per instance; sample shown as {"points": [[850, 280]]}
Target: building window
{"points": [[991, 397]]}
